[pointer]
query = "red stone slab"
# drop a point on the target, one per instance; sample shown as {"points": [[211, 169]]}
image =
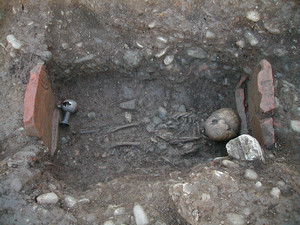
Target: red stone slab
{"points": [[39, 104]]}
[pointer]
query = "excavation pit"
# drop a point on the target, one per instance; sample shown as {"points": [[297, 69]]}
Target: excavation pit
{"points": [[136, 126]]}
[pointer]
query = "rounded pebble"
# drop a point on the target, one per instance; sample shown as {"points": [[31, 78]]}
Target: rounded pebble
{"points": [[48, 198], [70, 201], [15, 43], [222, 125], [140, 215], [258, 184], [250, 174]]}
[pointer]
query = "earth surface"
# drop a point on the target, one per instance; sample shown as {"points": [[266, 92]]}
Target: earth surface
{"points": [[146, 75]]}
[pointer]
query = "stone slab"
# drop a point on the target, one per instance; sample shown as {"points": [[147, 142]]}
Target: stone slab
{"points": [[39, 104]]}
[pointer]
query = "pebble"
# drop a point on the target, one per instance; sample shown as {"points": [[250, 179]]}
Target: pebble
{"points": [[64, 140], [65, 46], [271, 27], [251, 38], [16, 185], [229, 164], [152, 25], [45, 55], [133, 58], [275, 192], [222, 125], [119, 211], [157, 120], [161, 53], [15, 43], [48, 198], [253, 16], [250, 174], [295, 125], [181, 108], [235, 219], [91, 115], [140, 215], [162, 112], [70, 201], [245, 147], [258, 184], [127, 92], [210, 35], [79, 44], [146, 120], [128, 117], [168, 59], [198, 53], [150, 128], [84, 58], [109, 222], [240, 44], [128, 105]]}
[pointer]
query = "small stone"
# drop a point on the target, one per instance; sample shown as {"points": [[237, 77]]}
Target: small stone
{"points": [[127, 92], [150, 128], [162, 112], [140, 215], [128, 105], [91, 115], [157, 120], [198, 53], [152, 25], [109, 222], [161, 53], [128, 117], [48, 198], [146, 120], [241, 44], [210, 35], [253, 16], [235, 219], [250, 174], [45, 55], [295, 125], [275, 192], [229, 164], [16, 185], [245, 147], [272, 27], [119, 211], [258, 184], [222, 125], [168, 59], [251, 38], [79, 44], [181, 108], [70, 201], [64, 140], [65, 46], [15, 43], [133, 58]]}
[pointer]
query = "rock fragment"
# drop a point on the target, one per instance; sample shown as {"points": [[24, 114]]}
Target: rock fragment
{"points": [[235, 219], [250, 174], [133, 58], [198, 53], [222, 125], [140, 215], [70, 201], [168, 59], [128, 105], [253, 16], [295, 125], [16, 185], [15, 43], [251, 38], [48, 198], [275, 192], [245, 147]]}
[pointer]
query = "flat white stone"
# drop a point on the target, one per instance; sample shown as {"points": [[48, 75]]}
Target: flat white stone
{"points": [[48, 198], [15, 43], [295, 125], [253, 16], [70, 201], [140, 215], [275, 192], [250, 174]]}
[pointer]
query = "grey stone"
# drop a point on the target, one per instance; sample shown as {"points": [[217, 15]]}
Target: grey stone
{"points": [[140, 215], [16, 185], [64, 140], [245, 147], [250, 174], [275, 192], [235, 219], [127, 93], [162, 112], [198, 53], [157, 120], [181, 108], [210, 35], [253, 16], [65, 46], [119, 211], [251, 38], [45, 55], [109, 222], [229, 164], [150, 128], [128, 105], [70, 201], [91, 115], [132, 58], [128, 117], [48, 198], [15, 43], [241, 44], [85, 58], [295, 125], [168, 59]]}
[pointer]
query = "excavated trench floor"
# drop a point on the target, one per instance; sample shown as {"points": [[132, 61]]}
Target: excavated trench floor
{"points": [[136, 126]]}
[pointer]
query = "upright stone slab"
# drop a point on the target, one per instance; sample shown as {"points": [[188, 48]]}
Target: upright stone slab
{"points": [[261, 101], [39, 104]]}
